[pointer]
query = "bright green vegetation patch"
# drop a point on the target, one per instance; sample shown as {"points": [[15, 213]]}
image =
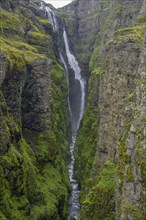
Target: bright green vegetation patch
{"points": [[34, 183], [60, 107], [85, 150], [38, 38], [18, 44], [86, 142], [141, 19], [143, 119], [132, 210], [23, 40], [97, 71], [106, 178], [13, 24], [135, 33], [19, 53], [51, 150], [9, 20], [37, 194], [45, 23], [99, 203]]}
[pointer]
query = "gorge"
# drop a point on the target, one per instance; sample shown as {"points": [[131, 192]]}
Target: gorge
{"points": [[75, 115], [73, 110]]}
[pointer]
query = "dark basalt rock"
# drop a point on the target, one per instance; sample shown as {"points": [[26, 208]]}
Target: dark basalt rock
{"points": [[5, 5], [3, 66], [14, 4]]}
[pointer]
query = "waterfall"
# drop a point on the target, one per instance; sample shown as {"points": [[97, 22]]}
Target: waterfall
{"points": [[67, 74], [74, 204], [77, 71], [51, 17]]}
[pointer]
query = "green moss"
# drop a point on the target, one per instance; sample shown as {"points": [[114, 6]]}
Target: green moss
{"points": [[140, 151], [33, 185], [86, 144], [2, 217], [133, 211], [122, 152], [109, 42], [97, 71], [106, 178], [17, 43], [99, 203], [18, 53], [129, 172], [131, 96], [143, 119], [95, 61], [44, 21], [135, 33], [17, 33], [13, 24], [141, 19], [34, 182], [38, 38], [9, 20]]}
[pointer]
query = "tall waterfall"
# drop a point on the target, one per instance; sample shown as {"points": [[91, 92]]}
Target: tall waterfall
{"points": [[77, 71], [74, 204]]}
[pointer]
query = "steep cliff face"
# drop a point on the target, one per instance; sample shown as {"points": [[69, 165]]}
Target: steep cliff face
{"points": [[33, 117], [107, 37], [130, 179], [81, 19], [113, 129]]}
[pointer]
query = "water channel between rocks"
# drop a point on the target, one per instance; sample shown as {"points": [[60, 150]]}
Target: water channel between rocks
{"points": [[75, 115]]}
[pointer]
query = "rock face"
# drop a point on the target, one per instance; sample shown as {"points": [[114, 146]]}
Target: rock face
{"points": [[83, 22], [3, 64], [36, 96], [109, 41], [33, 117], [130, 179], [107, 37]]}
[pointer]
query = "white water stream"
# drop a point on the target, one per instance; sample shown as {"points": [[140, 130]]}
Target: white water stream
{"points": [[77, 71], [74, 204]]}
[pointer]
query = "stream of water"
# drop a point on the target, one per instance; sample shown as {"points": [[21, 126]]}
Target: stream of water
{"points": [[74, 204]]}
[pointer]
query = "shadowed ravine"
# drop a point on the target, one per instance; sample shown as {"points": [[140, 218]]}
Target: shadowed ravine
{"points": [[73, 110], [76, 103]]}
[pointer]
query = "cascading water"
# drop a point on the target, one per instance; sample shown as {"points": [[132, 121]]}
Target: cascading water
{"points": [[77, 71], [74, 205]]}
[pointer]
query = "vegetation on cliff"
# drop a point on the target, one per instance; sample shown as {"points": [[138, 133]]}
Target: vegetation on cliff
{"points": [[33, 176], [108, 38], [105, 134]]}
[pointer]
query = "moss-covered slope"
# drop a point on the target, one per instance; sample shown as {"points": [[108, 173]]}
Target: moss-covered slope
{"points": [[111, 142], [33, 117]]}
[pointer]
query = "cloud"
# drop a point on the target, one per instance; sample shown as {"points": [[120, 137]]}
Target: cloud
{"points": [[58, 3]]}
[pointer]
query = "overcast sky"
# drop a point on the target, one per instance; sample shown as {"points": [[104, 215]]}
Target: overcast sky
{"points": [[58, 3]]}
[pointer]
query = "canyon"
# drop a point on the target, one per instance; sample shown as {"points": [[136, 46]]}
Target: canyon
{"points": [[73, 110]]}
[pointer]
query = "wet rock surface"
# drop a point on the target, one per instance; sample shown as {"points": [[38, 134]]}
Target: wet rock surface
{"points": [[33, 117], [115, 63], [108, 39]]}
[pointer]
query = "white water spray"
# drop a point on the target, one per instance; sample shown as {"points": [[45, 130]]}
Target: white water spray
{"points": [[77, 71], [51, 17], [74, 204]]}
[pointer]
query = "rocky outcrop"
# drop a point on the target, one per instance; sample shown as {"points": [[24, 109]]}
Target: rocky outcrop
{"points": [[108, 40], [116, 52], [81, 19], [33, 117], [130, 189], [3, 64], [36, 98]]}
